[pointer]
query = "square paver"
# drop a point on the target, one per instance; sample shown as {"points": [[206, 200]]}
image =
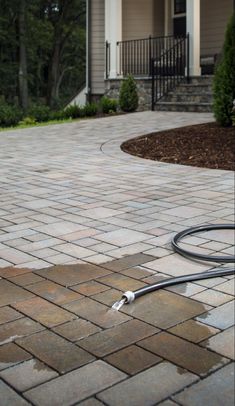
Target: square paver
{"points": [[133, 359], [76, 385]]}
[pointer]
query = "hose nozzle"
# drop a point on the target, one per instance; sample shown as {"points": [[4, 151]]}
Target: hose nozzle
{"points": [[129, 297]]}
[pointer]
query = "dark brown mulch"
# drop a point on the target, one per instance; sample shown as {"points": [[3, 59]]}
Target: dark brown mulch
{"points": [[203, 145]]}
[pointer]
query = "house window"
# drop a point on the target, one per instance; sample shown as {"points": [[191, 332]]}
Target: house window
{"points": [[179, 6]]}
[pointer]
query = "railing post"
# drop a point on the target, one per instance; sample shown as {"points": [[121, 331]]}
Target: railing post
{"points": [[150, 55], [153, 84], [188, 51], [107, 58]]}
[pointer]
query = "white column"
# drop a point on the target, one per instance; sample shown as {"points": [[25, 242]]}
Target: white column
{"points": [[113, 31], [193, 28], [166, 19]]}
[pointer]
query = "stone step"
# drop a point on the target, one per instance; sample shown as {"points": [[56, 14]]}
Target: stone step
{"points": [[205, 79], [193, 88], [188, 97], [187, 107]]}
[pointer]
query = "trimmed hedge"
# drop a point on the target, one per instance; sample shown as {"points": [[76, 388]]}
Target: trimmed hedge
{"points": [[108, 105], [224, 80]]}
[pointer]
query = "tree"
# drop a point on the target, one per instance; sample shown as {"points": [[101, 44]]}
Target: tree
{"points": [[224, 80], [23, 75]]}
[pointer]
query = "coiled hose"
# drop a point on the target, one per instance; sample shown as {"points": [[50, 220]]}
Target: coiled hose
{"points": [[129, 297]]}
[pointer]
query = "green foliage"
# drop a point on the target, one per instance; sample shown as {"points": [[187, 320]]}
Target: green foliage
{"points": [[224, 80], [55, 39], [28, 121], [40, 113], [108, 105], [90, 109], [128, 95], [72, 111], [9, 115]]}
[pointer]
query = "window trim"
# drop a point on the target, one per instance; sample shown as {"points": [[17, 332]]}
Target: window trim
{"points": [[178, 14]]}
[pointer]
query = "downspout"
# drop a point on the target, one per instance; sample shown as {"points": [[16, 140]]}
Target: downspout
{"points": [[88, 31]]}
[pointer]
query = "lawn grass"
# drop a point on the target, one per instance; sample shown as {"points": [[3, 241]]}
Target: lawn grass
{"points": [[50, 122]]}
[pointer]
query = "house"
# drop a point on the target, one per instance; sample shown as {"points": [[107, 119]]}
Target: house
{"points": [[160, 42]]}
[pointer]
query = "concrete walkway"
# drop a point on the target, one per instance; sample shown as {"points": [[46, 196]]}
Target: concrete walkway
{"points": [[81, 222]]}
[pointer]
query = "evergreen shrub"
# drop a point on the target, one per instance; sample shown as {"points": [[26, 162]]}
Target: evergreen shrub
{"points": [[224, 79], [128, 99]]}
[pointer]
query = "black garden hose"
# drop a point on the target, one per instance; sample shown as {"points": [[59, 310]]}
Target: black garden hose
{"points": [[129, 297]]}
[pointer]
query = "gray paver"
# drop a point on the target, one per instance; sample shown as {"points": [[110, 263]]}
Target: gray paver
{"points": [[222, 317], [10, 397], [149, 387], [216, 390], [76, 385]]}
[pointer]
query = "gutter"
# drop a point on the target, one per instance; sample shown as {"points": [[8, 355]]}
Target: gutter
{"points": [[88, 68]]}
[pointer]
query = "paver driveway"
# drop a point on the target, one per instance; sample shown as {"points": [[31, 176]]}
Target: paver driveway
{"points": [[80, 222]]}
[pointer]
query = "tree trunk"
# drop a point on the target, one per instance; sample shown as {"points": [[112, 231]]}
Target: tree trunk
{"points": [[23, 80], [54, 74]]}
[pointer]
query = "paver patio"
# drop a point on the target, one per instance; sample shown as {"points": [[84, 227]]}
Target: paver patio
{"points": [[81, 222]]}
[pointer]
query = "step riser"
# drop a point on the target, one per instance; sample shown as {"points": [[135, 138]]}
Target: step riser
{"points": [[186, 108], [193, 89], [188, 98]]}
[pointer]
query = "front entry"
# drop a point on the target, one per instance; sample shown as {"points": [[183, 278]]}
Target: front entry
{"points": [[179, 18]]}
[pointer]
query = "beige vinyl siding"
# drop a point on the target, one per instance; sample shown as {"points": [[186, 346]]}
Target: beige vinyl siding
{"points": [[138, 19], [214, 18], [97, 46]]}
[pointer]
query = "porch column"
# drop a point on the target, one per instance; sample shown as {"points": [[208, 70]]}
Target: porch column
{"points": [[193, 28], [113, 31]]}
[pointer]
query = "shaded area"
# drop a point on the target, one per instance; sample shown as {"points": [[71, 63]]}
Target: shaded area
{"points": [[203, 145]]}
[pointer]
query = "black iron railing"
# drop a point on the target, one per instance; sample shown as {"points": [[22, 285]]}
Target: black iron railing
{"points": [[169, 68], [135, 56]]}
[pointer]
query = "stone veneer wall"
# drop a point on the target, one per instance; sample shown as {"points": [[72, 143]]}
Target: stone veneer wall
{"points": [[144, 87]]}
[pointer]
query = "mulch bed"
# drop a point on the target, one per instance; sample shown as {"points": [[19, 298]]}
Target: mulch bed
{"points": [[203, 145]]}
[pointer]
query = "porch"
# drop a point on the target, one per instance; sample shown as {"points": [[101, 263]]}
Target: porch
{"points": [[137, 31]]}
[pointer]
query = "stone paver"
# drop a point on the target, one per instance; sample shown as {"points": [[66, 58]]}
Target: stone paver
{"points": [[216, 390], [55, 351], [76, 385], [148, 387], [81, 221]]}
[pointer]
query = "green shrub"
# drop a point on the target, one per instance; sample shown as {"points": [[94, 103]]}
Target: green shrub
{"points": [[39, 112], [57, 115], [128, 95], [224, 80], [72, 111], [90, 109], [108, 105], [28, 121], [9, 115]]}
